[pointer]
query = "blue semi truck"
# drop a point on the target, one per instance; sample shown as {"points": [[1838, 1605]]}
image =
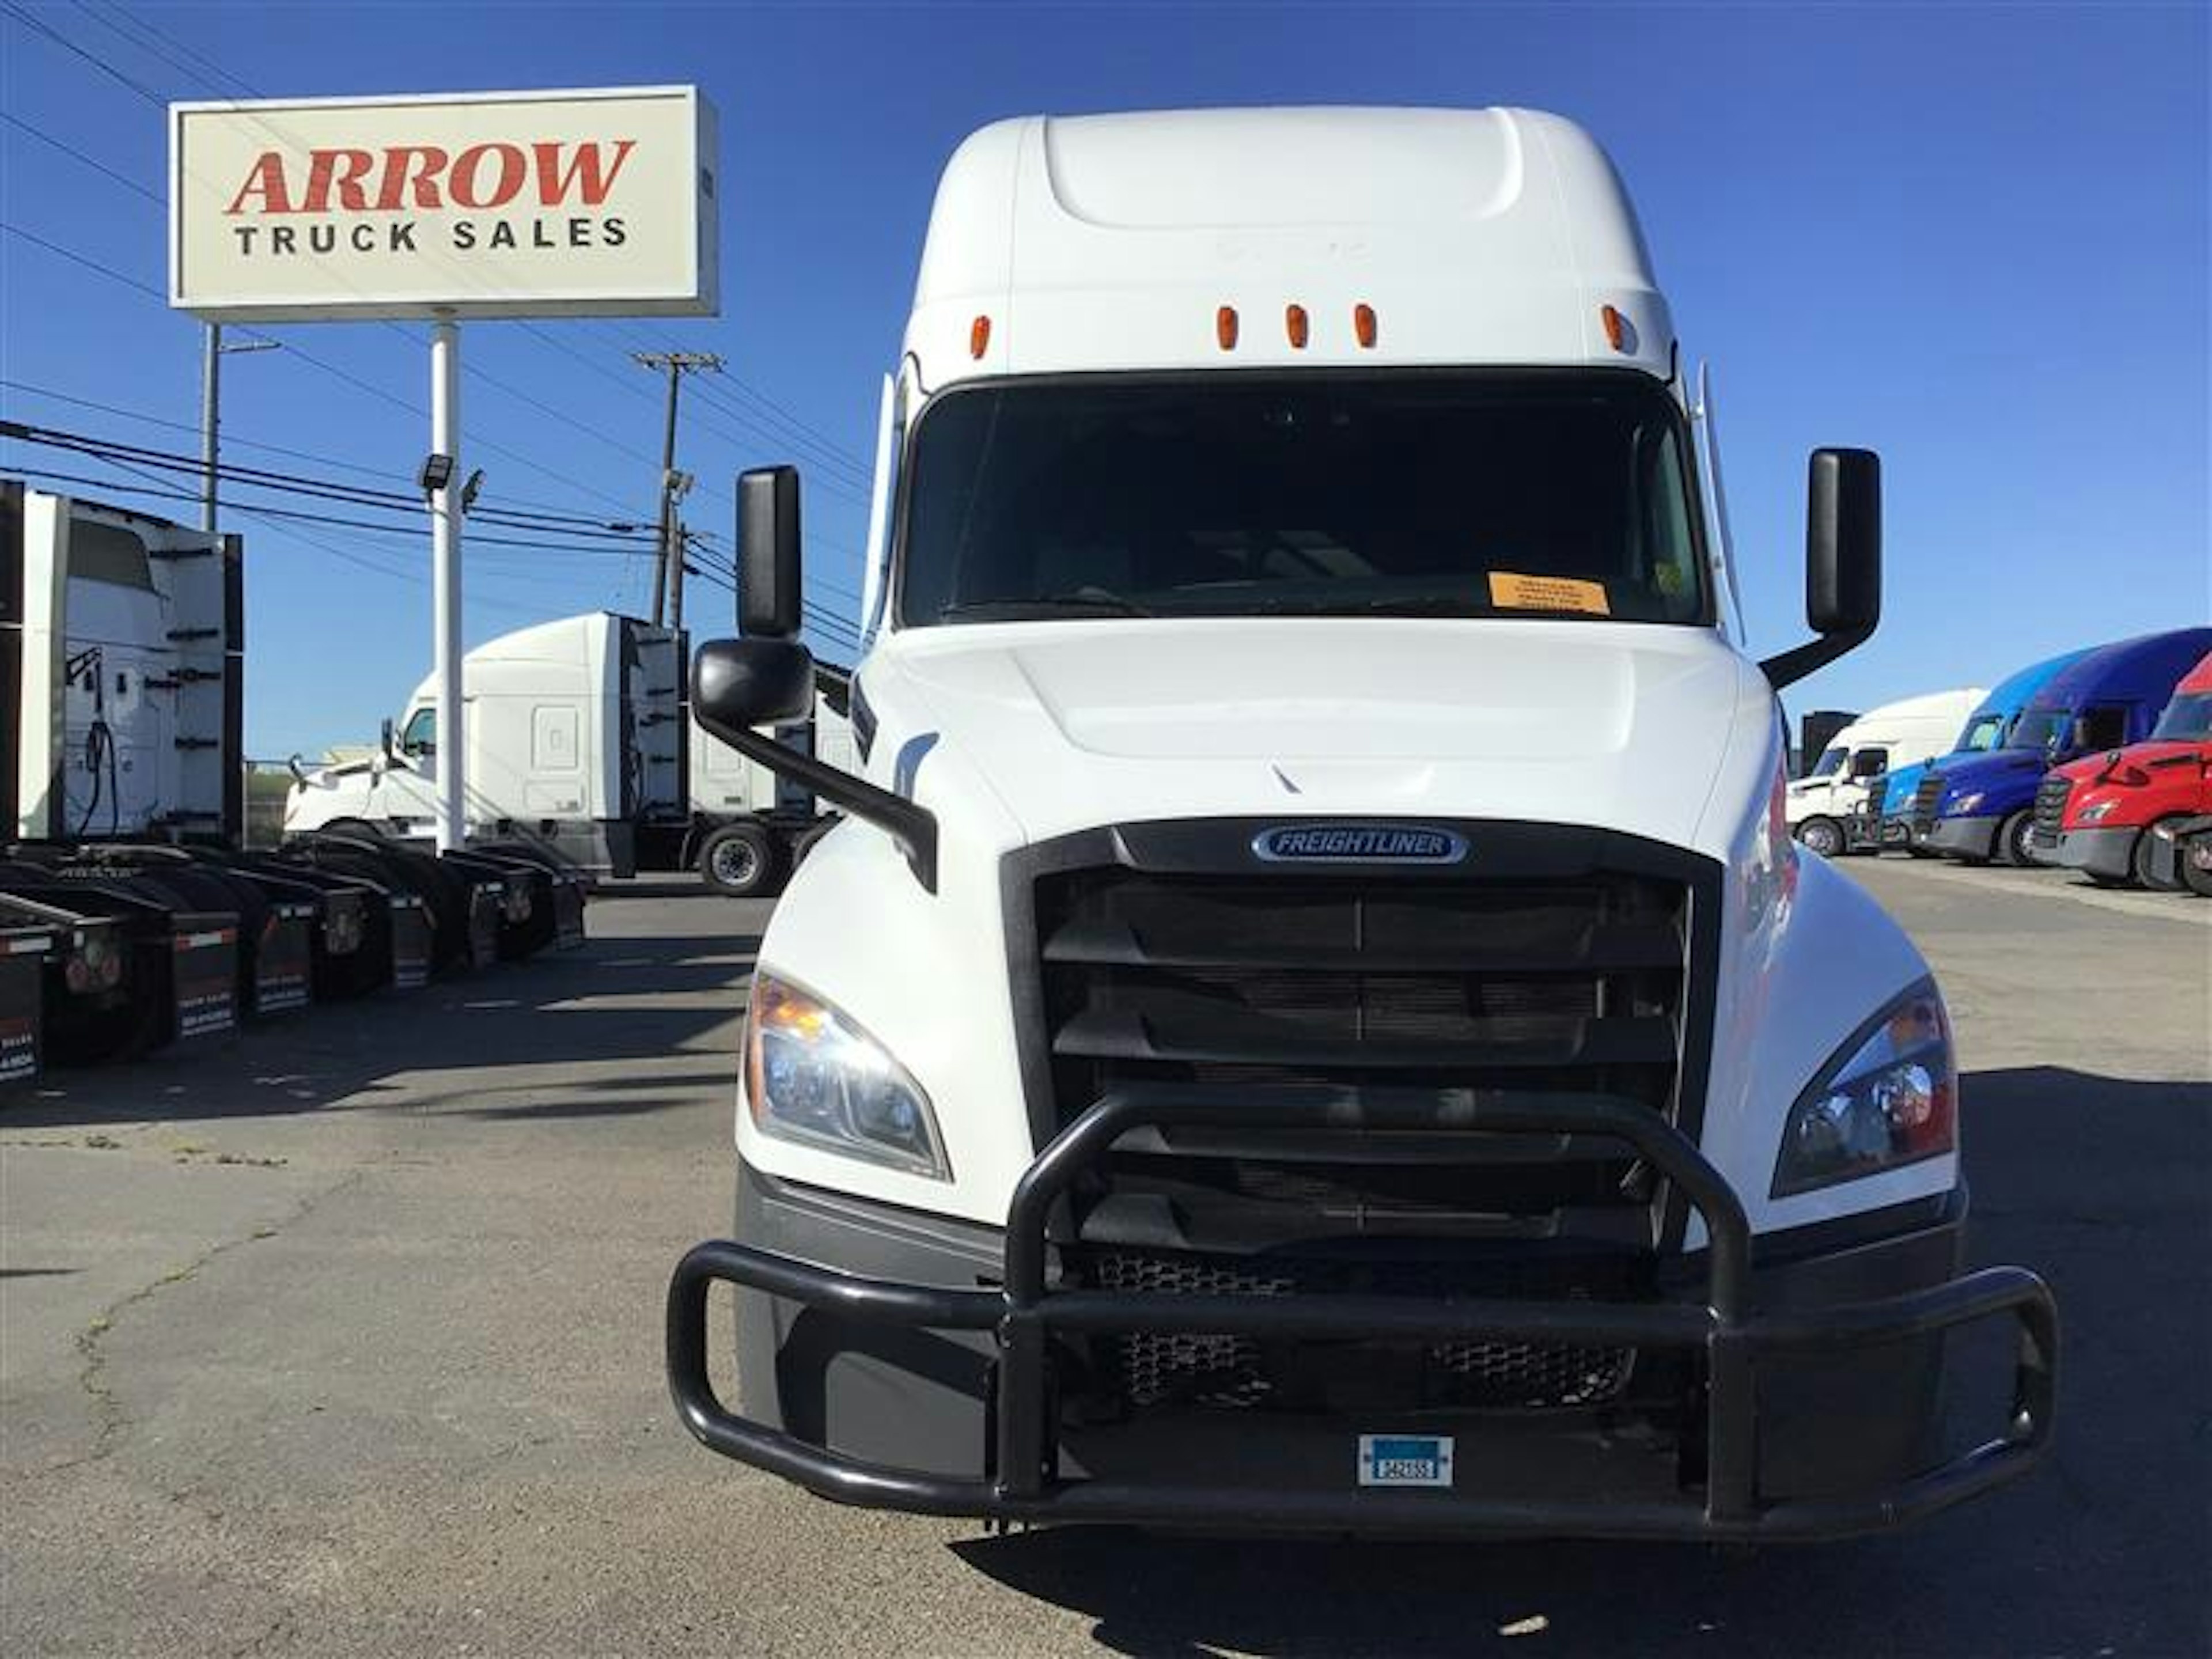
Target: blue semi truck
{"points": [[1982, 807], [1986, 729]]}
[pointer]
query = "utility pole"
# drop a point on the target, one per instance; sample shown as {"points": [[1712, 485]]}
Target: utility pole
{"points": [[211, 415], [676, 364]]}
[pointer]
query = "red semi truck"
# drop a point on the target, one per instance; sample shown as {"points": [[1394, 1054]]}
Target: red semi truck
{"points": [[2096, 814]]}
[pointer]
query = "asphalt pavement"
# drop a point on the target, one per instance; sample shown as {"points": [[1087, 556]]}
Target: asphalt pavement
{"points": [[347, 1339]]}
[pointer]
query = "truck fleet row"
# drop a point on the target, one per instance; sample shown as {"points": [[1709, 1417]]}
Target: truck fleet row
{"points": [[131, 915], [2098, 761]]}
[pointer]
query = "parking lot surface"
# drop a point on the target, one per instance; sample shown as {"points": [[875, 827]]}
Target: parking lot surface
{"points": [[347, 1339]]}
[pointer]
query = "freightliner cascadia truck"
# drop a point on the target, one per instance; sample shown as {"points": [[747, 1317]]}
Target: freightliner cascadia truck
{"points": [[581, 746], [1313, 1018]]}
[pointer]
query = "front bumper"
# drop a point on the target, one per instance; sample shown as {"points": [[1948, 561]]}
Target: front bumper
{"points": [[995, 1348], [1973, 837], [2110, 853]]}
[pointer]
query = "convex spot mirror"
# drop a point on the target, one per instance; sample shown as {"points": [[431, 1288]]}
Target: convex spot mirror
{"points": [[751, 682]]}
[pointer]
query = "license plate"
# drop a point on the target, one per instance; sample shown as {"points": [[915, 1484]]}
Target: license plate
{"points": [[1405, 1460]]}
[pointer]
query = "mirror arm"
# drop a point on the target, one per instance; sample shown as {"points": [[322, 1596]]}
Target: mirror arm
{"points": [[1794, 664], [913, 828]]}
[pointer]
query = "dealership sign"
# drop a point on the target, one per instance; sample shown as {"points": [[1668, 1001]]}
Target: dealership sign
{"points": [[597, 203]]}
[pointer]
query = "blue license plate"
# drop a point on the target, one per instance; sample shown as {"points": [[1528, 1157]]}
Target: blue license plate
{"points": [[1405, 1460]]}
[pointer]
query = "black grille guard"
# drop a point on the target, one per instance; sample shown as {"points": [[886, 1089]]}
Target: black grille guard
{"points": [[1023, 1315]]}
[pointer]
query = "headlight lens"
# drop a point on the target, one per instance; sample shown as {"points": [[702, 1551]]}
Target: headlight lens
{"points": [[2098, 810], [813, 1075], [1889, 1098], [1968, 802]]}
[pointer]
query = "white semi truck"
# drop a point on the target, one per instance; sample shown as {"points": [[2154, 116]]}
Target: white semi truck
{"points": [[1822, 805], [579, 744], [1314, 1017]]}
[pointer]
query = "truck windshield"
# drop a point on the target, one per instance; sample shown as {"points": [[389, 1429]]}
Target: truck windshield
{"points": [[1827, 764], [2042, 729], [2188, 719], [1427, 495], [1983, 732]]}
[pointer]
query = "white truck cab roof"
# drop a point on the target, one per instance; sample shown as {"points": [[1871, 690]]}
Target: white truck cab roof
{"points": [[1184, 238]]}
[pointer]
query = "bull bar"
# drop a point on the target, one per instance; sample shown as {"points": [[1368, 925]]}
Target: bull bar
{"points": [[1022, 1485]]}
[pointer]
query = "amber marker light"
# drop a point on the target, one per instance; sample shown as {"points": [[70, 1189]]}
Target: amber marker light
{"points": [[1294, 325], [1362, 325], [1616, 328], [979, 338], [1224, 327]]}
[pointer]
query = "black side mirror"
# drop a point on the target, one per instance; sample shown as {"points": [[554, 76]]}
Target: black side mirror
{"points": [[768, 551], [1843, 561], [756, 682], [738, 685], [384, 739]]}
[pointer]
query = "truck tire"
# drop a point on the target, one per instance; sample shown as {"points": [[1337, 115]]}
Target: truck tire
{"points": [[740, 860], [2012, 845], [2140, 861], [1822, 836], [2194, 877]]}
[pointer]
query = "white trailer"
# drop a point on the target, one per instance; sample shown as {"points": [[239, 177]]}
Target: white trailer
{"points": [[1838, 788], [579, 744], [1314, 1018]]}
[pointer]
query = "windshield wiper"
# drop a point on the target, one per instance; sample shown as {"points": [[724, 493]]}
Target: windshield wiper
{"points": [[1420, 605], [1091, 601]]}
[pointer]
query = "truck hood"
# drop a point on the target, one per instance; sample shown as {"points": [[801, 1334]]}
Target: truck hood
{"points": [[2007, 776], [1070, 725], [2137, 757]]}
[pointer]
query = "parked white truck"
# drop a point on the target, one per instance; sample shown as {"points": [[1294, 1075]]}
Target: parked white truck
{"points": [[579, 744], [1314, 1017], [1821, 806]]}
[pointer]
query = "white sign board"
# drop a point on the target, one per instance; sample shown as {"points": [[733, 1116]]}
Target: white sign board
{"points": [[591, 203]]}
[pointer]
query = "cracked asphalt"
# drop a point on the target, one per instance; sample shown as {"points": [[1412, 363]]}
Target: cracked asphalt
{"points": [[347, 1340]]}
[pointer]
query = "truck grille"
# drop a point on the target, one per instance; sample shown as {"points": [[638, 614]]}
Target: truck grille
{"points": [[1562, 984], [2051, 809], [1243, 1373], [1925, 799]]}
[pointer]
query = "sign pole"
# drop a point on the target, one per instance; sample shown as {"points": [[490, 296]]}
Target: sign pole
{"points": [[446, 561]]}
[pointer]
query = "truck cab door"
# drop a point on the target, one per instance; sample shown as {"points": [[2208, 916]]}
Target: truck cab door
{"points": [[405, 789]]}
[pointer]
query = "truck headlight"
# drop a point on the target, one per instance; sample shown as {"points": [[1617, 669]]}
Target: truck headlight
{"points": [[2098, 810], [1967, 803], [1889, 1098], [813, 1075]]}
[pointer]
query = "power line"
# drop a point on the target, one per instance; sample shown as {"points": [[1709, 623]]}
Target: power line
{"points": [[297, 484]]}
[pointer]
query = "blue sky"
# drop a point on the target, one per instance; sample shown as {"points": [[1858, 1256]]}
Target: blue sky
{"points": [[1973, 237]]}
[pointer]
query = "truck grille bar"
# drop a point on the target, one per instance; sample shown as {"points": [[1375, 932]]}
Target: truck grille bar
{"points": [[1925, 799], [2051, 809]]}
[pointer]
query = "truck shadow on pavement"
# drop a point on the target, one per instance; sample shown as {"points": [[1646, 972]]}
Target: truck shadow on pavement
{"points": [[599, 1012], [2103, 1185]]}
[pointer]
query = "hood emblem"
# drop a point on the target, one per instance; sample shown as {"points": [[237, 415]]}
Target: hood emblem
{"points": [[1359, 843]]}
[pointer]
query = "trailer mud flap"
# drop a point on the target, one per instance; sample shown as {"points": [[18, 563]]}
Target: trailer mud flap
{"points": [[568, 913], [284, 964], [485, 903], [203, 978], [22, 993], [411, 931]]}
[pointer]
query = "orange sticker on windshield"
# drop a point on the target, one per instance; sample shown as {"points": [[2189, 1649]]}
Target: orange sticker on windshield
{"points": [[1513, 591]]}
